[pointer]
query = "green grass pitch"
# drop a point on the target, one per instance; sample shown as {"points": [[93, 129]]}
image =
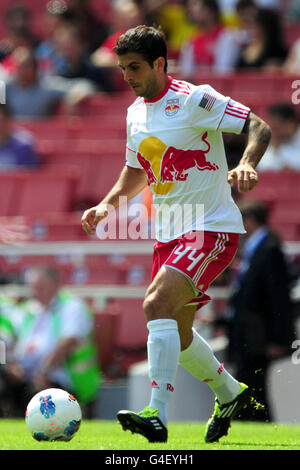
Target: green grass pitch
{"points": [[109, 436]]}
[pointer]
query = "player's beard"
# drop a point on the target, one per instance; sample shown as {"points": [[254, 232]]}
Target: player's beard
{"points": [[150, 89]]}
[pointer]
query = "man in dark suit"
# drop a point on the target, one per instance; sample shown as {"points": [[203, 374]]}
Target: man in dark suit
{"points": [[260, 306]]}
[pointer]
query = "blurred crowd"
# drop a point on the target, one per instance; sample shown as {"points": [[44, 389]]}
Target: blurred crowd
{"points": [[75, 53], [55, 71]]}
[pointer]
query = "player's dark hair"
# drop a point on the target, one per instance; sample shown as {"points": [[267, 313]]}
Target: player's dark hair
{"points": [[284, 111], [145, 40], [256, 209]]}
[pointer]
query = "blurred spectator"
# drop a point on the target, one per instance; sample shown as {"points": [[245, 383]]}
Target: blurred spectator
{"points": [[10, 318], [66, 50], [283, 152], [76, 63], [126, 14], [52, 345], [30, 97], [17, 147], [292, 63], [92, 29], [57, 16], [9, 314], [266, 48], [26, 95], [246, 11], [214, 47], [17, 22], [229, 9], [173, 18], [260, 309], [293, 11], [19, 37]]}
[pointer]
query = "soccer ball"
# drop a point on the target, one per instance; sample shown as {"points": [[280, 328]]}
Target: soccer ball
{"points": [[53, 415]]}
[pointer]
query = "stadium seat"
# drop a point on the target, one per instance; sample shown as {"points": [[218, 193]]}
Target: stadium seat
{"points": [[65, 128], [281, 192], [16, 266], [221, 83], [98, 169], [106, 323], [132, 331], [43, 191], [100, 270], [59, 226], [126, 341], [114, 105], [277, 185], [291, 33], [40, 191], [8, 194]]}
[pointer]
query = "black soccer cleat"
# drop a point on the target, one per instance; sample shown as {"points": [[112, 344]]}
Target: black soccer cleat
{"points": [[219, 423], [146, 423]]}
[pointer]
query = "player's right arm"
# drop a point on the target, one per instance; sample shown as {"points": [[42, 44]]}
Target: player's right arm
{"points": [[130, 183]]}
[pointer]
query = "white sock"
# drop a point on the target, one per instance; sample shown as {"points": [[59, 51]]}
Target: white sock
{"points": [[163, 356], [200, 361]]}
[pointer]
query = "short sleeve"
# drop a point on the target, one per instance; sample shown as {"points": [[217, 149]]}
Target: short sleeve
{"points": [[234, 117], [209, 109], [131, 158]]}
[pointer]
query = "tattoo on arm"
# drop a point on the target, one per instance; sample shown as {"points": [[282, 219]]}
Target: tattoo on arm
{"points": [[259, 135], [257, 130]]}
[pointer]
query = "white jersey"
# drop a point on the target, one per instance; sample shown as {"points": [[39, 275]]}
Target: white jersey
{"points": [[177, 139]]}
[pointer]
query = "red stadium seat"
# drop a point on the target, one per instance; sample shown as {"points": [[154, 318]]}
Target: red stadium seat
{"points": [[121, 335], [281, 191], [8, 194], [132, 331], [131, 335], [221, 83], [106, 323], [39, 192], [291, 33], [50, 190], [100, 270], [99, 169], [114, 105]]}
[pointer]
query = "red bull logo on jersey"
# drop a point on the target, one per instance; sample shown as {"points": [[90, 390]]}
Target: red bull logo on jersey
{"points": [[166, 165], [147, 167], [172, 107]]}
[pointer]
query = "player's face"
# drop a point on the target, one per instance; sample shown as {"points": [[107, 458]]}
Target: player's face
{"points": [[143, 79]]}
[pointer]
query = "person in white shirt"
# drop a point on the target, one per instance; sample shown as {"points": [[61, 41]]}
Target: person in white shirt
{"points": [[283, 152], [174, 143], [47, 328]]}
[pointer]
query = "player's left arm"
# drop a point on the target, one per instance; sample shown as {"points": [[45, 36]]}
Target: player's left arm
{"points": [[259, 135]]}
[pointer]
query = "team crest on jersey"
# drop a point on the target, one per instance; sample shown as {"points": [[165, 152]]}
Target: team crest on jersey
{"points": [[172, 107]]}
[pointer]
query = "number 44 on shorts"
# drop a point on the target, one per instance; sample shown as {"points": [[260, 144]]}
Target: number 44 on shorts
{"points": [[181, 251]]}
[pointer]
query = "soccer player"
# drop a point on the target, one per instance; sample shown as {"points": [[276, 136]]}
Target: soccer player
{"points": [[174, 143]]}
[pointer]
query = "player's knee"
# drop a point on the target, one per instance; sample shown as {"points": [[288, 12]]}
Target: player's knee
{"points": [[151, 308], [155, 308]]}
